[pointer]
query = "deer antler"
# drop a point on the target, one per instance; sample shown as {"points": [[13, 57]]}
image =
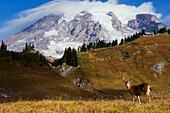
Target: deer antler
{"points": [[123, 78]]}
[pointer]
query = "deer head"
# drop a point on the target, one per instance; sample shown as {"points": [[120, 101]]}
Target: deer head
{"points": [[127, 83]]}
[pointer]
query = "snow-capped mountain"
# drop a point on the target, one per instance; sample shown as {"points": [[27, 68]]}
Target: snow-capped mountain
{"points": [[53, 33], [146, 22]]}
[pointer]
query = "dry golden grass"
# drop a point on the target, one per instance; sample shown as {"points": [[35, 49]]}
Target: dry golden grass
{"points": [[48, 106]]}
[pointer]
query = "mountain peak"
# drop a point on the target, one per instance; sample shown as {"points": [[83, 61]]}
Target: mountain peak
{"points": [[148, 17], [84, 15], [53, 33], [147, 22]]}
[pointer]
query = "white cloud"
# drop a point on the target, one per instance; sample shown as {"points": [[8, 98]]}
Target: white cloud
{"points": [[72, 7], [166, 19]]}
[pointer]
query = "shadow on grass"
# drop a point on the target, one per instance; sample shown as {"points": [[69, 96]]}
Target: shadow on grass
{"points": [[115, 94]]}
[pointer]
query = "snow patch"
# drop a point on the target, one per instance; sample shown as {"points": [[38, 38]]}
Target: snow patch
{"points": [[21, 41], [104, 19], [57, 49], [51, 33], [66, 39], [81, 14]]}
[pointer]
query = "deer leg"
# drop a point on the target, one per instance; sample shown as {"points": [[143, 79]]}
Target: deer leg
{"points": [[147, 95], [133, 98], [139, 99]]}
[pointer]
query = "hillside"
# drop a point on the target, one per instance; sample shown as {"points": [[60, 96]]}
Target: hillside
{"points": [[34, 81], [146, 58], [100, 72]]}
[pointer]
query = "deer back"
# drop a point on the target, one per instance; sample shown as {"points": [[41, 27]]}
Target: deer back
{"points": [[139, 89]]}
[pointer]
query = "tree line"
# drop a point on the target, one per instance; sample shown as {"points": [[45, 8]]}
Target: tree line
{"points": [[28, 48], [162, 30], [131, 38], [95, 45], [102, 43], [24, 58], [70, 57]]}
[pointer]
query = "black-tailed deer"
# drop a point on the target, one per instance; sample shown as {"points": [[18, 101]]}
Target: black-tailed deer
{"points": [[136, 90]]}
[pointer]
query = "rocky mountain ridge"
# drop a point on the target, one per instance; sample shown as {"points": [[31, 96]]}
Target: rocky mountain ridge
{"points": [[53, 33], [146, 22]]}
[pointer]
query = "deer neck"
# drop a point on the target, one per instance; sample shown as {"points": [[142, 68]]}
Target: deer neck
{"points": [[128, 86]]}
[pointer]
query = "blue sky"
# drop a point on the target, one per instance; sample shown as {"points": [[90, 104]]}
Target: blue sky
{"points": [[9, 9]]}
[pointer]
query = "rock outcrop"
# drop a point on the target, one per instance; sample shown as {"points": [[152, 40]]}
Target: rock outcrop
{"points": [[83, 83], [146, 22], [158, 67], [117, 24]]}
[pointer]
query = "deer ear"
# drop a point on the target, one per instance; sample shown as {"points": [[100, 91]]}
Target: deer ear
{"points": [[131, 76]]}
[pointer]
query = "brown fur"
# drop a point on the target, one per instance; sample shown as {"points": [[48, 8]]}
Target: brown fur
{"points": [[137, 90]]}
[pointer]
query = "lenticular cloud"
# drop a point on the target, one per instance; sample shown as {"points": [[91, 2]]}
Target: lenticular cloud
{"points": [[72, 7]]}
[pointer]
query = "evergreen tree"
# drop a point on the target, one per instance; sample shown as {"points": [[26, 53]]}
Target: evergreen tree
{"points": [[28, 48], [116, 42], [113, 43], [121, 42], [70, 57], [162, 30], [64, 56], [90, 46], [109, 44], [94, 45], [168, 31], [3, 46], [143, 32], [83, 48], [126, 40], [154, 32], [75, 58], [137, 35]]}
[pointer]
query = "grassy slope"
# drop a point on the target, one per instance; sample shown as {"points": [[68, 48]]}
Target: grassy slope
{"points": [[83, 107], [104, 67], [36, 82]]}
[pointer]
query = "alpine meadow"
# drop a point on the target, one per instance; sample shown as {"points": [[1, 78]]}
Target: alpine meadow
{"points": [[85, 56]]}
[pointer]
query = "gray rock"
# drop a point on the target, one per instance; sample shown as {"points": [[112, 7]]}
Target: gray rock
{"points": [[4, 95], [66, 71], [148, 51], [158, 67], [155, 75], [83, 83]]}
